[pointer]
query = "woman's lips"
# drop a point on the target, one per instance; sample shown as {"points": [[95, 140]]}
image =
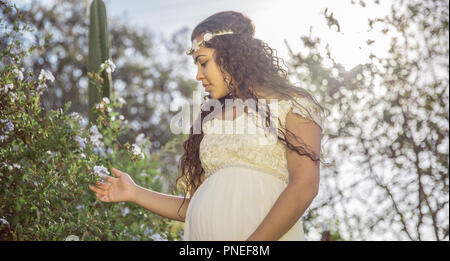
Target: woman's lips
{"points": [[208, 87]]}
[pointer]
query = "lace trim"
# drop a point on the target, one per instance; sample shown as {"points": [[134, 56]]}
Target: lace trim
{"points": [[313, 113], [280, 176]]}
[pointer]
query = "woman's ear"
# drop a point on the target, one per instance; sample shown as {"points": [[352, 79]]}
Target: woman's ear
{"points": [[227, 79]]}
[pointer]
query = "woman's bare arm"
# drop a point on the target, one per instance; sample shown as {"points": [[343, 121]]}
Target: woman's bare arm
{"points": [[123, 189], [161, 204]]}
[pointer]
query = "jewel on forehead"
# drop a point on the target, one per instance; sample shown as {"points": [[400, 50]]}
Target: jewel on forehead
{"points": [[206, 37]]}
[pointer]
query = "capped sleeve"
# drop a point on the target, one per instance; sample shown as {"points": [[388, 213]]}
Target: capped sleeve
{"points": [[307, 109]]}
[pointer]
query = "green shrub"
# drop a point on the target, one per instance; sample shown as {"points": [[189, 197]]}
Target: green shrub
{"points": [[48, 159]]}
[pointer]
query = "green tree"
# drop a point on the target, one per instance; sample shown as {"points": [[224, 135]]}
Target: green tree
{"points": [[390, 120], [151, 70], [48, 159]]}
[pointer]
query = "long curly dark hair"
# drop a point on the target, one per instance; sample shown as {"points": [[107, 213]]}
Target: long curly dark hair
{"points": [[254, 69]]}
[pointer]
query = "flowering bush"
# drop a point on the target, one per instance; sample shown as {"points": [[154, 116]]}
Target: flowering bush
{"points": [[48, 159]]}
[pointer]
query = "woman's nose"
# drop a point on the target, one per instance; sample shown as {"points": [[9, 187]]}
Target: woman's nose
{"points": [[199, 75]]}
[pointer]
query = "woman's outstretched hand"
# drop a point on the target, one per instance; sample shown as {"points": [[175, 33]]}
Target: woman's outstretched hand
{"points": [[119, 189]]}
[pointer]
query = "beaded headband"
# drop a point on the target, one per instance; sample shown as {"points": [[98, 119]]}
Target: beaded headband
{"points": [[206, 37]]}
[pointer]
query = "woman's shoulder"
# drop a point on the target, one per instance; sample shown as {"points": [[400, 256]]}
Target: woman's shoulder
{"points": [[305, 107]]}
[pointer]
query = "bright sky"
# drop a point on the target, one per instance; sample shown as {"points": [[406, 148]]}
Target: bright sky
{"points": [[275, 20]]}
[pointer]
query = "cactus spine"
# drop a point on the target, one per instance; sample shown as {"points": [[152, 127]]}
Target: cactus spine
{"points": [[98, 52]]}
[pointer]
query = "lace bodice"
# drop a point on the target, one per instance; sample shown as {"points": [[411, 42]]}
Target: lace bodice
{"points": [[244, 142]]}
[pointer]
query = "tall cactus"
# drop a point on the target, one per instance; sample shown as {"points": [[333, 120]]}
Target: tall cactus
{"points": [[98, 52]]}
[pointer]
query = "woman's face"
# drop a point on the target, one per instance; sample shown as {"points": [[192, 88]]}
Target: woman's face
{"points": [[208, 71]]}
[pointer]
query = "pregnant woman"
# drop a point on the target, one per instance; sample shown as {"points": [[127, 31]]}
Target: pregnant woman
{"points": [[240, 185]]}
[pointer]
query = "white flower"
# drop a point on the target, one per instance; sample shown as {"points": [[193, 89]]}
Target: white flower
{"points": [[109, 110], [84, 122], [196, 45], [109, 151], [207, 36], [17, 166], [106, 100], [137, 151], [75, 115], [94, 130], [78, 117], [18, 73], [125, 211], [96, 140], [81, 142], [9, 127], [7, 87], [324, 226], [101, 171], [46, 75], [108, 65], [41, 86], [158, 237], [82, 155], [72, 238], [99, 106], [140, 139], [99, 151], [121, 100], [96, 136], [121, 117], [2, 138], [148, 230], [4, 221]]}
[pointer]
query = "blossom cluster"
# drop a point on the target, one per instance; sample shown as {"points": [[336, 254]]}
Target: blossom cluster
{"points": [[101, 171], [82, 121], [105, 101], [7, 87], [43, 77], [96, 136], [136, 150], [81, 142], [19, 73], [108, 65], [9, 127]]}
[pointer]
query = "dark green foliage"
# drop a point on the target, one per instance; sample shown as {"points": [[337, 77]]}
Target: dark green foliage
{"points": [[48, 159]]}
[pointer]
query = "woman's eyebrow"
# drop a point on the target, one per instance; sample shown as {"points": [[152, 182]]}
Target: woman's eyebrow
{"points": [[195, 60]]}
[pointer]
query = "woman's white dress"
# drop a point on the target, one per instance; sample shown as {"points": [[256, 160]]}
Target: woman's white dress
{"points": [[245, 172]]}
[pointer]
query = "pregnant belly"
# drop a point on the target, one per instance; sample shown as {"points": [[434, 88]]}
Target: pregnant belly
{"points": [[231, 204]]}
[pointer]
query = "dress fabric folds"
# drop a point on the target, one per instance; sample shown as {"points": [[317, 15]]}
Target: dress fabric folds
{"points": [[245, 171]]}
